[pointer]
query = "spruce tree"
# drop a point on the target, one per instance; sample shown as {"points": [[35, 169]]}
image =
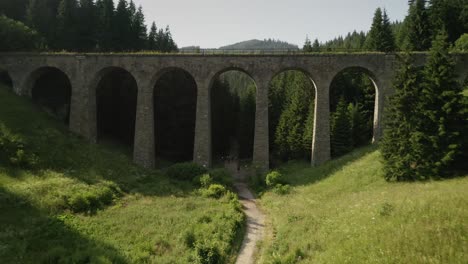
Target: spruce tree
{"points": [[387, 43], [67, 20], [375, 33], [105, 36], [316, 46], [86, 27], [397, 145], [341, 134], [380, 37], [139, 30], [358, 124], [122, 27], [418, 26], [307, 45], [443, 126], [152, 37]]}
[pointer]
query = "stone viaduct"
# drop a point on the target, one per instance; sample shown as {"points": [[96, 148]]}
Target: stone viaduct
{"points": [[85, 71]]}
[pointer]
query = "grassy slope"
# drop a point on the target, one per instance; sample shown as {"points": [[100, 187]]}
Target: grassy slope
{"points": [[147, 222], [344, 212]]}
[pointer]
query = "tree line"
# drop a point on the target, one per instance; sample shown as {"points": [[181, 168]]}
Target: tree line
{"points": [[425, 19], [84, 25]]}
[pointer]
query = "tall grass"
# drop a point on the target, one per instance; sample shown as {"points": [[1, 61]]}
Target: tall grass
{"points": [[344, 212], [85, 203]]}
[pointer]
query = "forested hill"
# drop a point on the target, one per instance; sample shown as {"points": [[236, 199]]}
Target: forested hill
{"points": [[256, 44]]}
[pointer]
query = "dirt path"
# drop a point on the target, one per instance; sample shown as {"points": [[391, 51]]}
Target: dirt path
{"points": [[255, 218]]}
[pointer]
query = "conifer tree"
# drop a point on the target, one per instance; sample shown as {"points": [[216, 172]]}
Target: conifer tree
{"points": [[105, 36], [316, 46], [122, 27], [397, 145], [443, 126], [341, 134], [139, 30], [307, 45], [375, 33], [152, 45], [418, 26], [380, 37], [387, 43], [67, 19], [86, 27], [358, 124], [41, 15]]}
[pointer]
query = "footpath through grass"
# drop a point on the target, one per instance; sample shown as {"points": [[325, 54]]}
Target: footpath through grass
{"points": [[63, 200], [345, 212]]}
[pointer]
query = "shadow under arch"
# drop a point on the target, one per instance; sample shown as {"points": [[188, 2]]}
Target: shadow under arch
{"points": [[287, 85], [51, 88], [175, 105], [358, 86], [116, 92], [233, 95], [465, 85], [5, 79]]}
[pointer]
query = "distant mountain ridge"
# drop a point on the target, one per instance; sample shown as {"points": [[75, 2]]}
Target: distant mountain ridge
{"points": [[256, 44]]}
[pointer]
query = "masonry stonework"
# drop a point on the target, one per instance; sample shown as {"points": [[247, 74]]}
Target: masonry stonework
{"points": [[85, 71]]}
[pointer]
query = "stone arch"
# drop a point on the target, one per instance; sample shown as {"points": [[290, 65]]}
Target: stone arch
{"points": [[174, 92], [116, 91], [5, 79], [374, 93], [233, 93], [273, 115], [51, 88]]}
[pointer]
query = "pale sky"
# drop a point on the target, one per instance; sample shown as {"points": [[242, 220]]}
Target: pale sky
{"points": [[215, 23]]}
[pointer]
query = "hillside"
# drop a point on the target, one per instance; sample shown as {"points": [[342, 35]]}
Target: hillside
{"points": [[256, 44], [63, 200], [345, 212]]}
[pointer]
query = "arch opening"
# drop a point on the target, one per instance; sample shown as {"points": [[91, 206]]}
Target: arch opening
{"points": [[291, 97], [175, 103], [5, 79], [51, 89], [116, 100], [233, 104], [352, 103]]}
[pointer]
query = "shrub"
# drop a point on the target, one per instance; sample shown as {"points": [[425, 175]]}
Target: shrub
{"points": [[189, 239], [13, 151], [185, 171], [274, 178], [207, 254], [221, 176], [282, 189], [214, 191], [205, 180], [93, 198]]}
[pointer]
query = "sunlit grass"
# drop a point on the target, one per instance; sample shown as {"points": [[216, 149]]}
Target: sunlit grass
{"points": [[344, 212]]}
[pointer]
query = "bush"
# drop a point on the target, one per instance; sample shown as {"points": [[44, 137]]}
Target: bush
{"points": [[207, 254], [214, 191], [93, 198], [274, 178], [205, 180], [282, 189], [13, 151], [16, 36], [185, 171], [221, 176]]}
